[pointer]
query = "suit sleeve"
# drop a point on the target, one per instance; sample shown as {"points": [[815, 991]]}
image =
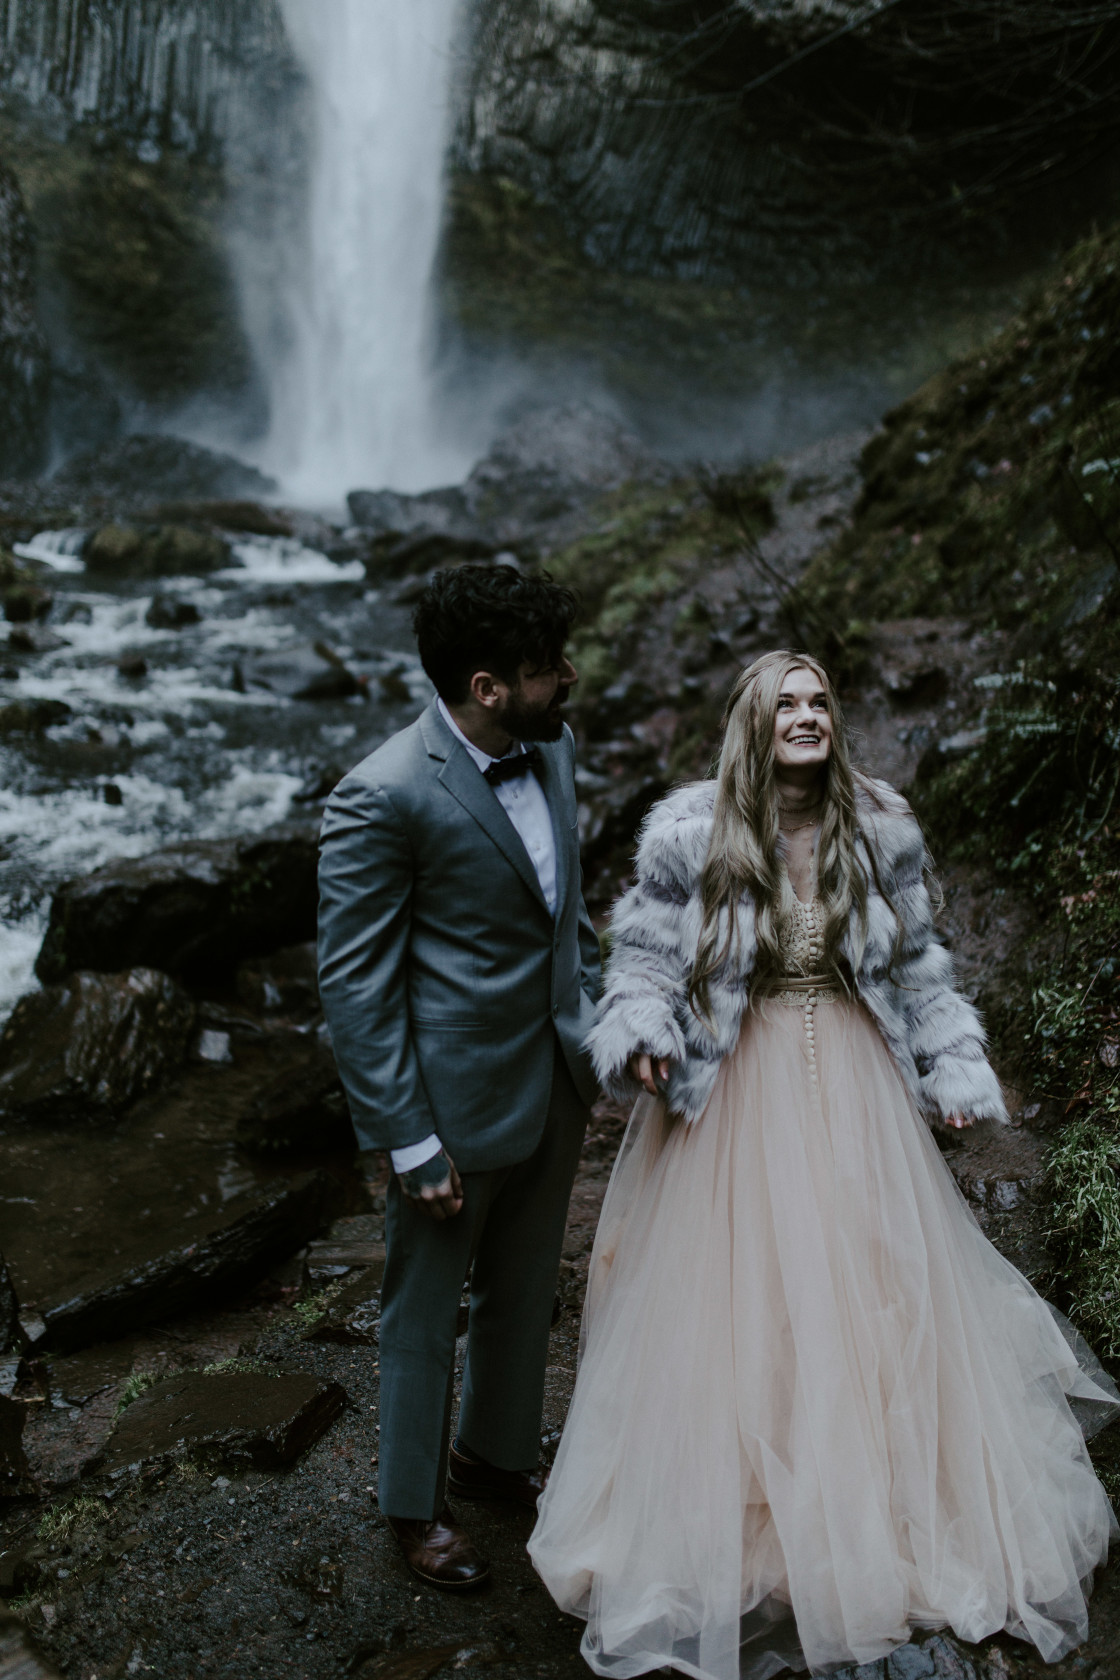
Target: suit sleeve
{"points": [[365, 897]]}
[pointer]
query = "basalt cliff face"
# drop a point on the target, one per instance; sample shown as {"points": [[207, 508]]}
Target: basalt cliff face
{"points": [[136, 134]]}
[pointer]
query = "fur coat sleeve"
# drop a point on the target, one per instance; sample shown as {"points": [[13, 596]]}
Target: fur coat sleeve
{"points": [[933, 1033]]}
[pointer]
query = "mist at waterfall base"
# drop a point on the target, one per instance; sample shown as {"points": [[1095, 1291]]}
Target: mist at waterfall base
{"points": [[351, 383]]}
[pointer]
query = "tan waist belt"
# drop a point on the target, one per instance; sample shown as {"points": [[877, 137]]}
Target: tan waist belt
{"points": [[823, 983]]}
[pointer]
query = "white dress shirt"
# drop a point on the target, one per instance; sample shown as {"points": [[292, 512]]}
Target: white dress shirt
{"points": [[523, 800]]}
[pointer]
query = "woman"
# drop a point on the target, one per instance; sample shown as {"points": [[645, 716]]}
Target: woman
{"points": [[808, 1383]]}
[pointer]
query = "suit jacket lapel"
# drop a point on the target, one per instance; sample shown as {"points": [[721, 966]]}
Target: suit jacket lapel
{"points": [[463, 781]]}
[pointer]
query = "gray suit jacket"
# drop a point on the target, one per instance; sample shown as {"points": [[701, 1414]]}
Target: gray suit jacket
{"points": [[445, 980]]}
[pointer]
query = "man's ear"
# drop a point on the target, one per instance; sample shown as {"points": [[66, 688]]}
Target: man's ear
{"points": [[488, 689]]}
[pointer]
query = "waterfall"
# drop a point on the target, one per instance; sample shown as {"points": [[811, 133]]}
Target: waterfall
{"points": [[351, 390]]}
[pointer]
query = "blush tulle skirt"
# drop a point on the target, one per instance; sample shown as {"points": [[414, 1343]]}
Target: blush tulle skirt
{"points": [[815, 1410]]}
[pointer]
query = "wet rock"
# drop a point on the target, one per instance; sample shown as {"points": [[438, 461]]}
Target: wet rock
{"points": [[24, 359], [33, 638], [26, 602], [286, 983], [241, 516], [154, 551], [535, 487], [258, 1419], [32, 717], [139, 469], [320, 784], [309, 673], [408, 1665], [133, 666], [233, 1249], [543, 477], [354, 1316], [922, 687], [196, 909], [15, 1478], [84, 1049], [168, 612], [12, 1339], [303, 1110], [394, 555], [19, 1657], [387, 513], [910, 1662]]}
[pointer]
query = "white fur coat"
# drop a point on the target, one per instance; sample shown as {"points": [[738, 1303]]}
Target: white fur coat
{"points": [[934, 1035]]}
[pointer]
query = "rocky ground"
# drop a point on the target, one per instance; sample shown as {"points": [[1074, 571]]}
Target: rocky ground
{"points": [[188, 1399]]}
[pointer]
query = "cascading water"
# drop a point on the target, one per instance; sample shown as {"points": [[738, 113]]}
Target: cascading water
{"points": [[352, 398]]}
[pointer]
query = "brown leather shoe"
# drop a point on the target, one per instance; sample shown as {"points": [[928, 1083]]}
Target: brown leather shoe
{"points": [[473, 1478], [439, 1553]]}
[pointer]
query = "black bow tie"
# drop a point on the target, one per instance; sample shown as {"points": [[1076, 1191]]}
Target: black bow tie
{"points": [[515, 764]]}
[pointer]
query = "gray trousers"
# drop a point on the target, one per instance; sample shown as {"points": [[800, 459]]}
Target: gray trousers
{"points": [[511, 1227]]}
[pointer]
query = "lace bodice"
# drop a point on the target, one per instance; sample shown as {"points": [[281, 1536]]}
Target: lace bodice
{"points": [[803, 938]]}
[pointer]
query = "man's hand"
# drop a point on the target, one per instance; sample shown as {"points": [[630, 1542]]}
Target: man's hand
{"points": [[433, 1187], [649, 1074]]}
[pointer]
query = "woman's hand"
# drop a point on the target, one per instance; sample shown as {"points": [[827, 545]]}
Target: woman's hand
{"points": [[958, 1121], [648, 1072]]}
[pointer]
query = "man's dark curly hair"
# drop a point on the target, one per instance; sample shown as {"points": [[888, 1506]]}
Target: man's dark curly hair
{"points": [[489, 618]]}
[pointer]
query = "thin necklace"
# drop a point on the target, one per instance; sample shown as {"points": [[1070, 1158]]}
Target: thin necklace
{"points": [[791, 811]]}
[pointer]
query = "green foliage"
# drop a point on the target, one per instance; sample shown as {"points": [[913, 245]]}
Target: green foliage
{"points": [[137, 1384], [995, 490], [240, 1364], [60, 1522], [644, 553], [1046, 770], [312, 1308], [1085, 1179]]}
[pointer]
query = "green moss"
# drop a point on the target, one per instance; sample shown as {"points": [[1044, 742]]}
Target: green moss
{"points": [[995, 490], [648, 548], [135, 253]]}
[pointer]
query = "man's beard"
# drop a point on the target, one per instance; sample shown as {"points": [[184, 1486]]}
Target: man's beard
{"points": [[534, 723]]}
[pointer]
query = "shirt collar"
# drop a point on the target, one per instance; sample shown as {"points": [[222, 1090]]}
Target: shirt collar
{"points": [[482, 759]]}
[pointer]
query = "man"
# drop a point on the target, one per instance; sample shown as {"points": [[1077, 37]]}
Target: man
{"points": [[459, 972]]}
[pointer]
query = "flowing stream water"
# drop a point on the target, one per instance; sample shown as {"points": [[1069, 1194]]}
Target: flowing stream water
{"points": [[352, 394], [196, 746]]}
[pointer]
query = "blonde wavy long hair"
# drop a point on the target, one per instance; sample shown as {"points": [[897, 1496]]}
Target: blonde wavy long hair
{"points": [[744, 854]]}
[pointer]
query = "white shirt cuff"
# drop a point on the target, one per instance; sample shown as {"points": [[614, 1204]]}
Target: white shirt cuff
{"points": [[404, 1160]]}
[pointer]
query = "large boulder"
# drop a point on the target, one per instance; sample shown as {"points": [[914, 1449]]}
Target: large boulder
{"points": [[256, 1419], [299, 673], [227, 1253], [537, 487], [24, 366], [302, 1111], [154, 551], [195, 910], [84, 1049]]}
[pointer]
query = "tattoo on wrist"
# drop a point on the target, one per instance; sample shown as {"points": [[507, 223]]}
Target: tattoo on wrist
{"points": [[427, 1175]]}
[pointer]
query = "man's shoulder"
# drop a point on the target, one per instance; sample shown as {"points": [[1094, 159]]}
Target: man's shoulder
{"points": [[394, 768]]}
